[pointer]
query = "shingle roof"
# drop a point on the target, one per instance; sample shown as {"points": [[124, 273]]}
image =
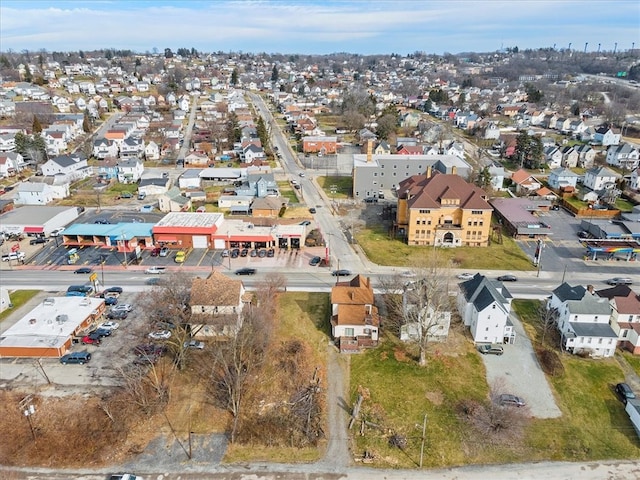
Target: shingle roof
{"points": [[428, 192], [567, 292], [582, 329], [216, 290]]}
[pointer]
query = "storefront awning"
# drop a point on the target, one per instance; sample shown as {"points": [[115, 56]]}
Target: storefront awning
{"points": [[33, 229], [165, 239]]}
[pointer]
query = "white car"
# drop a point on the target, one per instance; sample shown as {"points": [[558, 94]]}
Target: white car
{"points": [[194, 344], [123, 307], [154, 270], [160, 335], [56, 232], [109, 325], [465, 276], [13, 256]]}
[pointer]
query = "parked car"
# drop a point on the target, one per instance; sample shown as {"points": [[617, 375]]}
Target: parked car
{"points": [[305, 223], [83, 270], [225, 253], [262, 253], [508, 400], [301, 174], [194, 344], [117, 315], [155, 270], [508, 278], [75, 357], [117, 290], [37, 241], [624, 392], [271, 253], [244, 252], [125, 307], [246, 271], [235, 253], [155, 252], [312, 210], [101, 332], [102, 221], [126, 195], [164, 251], [160, 335], [149, 349], [111, 301], [180, 257], [620, 281], [253, 253], [465, 276], [488, 349], [583, 234], [315, 261], [57, 232], [90, 340], [341, 273], [13, 256], [109, 325]]}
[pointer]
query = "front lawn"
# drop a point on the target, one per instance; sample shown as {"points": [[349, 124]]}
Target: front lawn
{"points": [[382, 250]]}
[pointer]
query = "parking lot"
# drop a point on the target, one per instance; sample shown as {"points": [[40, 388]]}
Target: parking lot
{"points": [[114, 353]]}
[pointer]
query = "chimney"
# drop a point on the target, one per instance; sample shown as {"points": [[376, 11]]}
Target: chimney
{"points": [[369, 150], [590, 289], [429, 171], [454, 170]]}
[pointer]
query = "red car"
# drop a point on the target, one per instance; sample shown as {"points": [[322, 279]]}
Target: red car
{"points": [[90, 340], [155, 252]]}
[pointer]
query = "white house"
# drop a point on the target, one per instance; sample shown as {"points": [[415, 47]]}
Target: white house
{"points": [[484, 306], [152, 151], [560, 178], [7, 141], [73, 166], [599, 178], [583, 320], [132, 147], [130, 171], [39, 193], [435, 325], [605, 136], [623, 156], [10, 164], [103, 148], [634, 183]]}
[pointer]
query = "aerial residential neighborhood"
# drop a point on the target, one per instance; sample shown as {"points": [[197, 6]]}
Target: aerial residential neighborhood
{"points": [[401, 261]]}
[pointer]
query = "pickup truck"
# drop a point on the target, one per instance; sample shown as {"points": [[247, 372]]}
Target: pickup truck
{"points": [[125, 476]]}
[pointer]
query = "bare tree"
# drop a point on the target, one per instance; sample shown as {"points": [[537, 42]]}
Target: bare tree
{"points": [[426, 302], [147, 384], [547, 317]]}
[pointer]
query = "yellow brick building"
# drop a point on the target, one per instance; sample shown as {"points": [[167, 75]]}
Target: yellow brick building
{"points": [[443, 210]]}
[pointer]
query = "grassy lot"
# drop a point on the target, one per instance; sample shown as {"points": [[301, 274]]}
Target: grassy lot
{"points": [[303, 316], [18, 298], [624, 205], [384, 251], [287, 192], [593, 425], [344, 186], [633, 360]]}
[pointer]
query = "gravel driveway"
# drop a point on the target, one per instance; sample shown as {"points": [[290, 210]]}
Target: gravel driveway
{"points": [[517, 372]]}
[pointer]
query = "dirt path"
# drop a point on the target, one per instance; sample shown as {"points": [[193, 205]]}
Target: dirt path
{"points": [[338, 454]]}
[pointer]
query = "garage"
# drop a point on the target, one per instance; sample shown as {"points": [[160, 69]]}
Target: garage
{"points": [[200, 241], [219, 244]]}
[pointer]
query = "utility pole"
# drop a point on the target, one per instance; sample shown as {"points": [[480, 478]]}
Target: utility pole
{"points": [[424, 431], [27, 408]]}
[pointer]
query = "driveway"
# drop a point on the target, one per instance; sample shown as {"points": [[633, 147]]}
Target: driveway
{"points": [[517, 371]]}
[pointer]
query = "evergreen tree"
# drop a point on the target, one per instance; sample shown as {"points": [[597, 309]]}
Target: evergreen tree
{"points": [[274, 74], [262, 132], [36, 127], [234, 77]]}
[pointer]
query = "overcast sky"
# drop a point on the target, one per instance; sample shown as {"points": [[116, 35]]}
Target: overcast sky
{"points": [[319, 27]]}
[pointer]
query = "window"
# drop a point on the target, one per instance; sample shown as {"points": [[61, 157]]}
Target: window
{"points": [[348, 332], [476, 212]]}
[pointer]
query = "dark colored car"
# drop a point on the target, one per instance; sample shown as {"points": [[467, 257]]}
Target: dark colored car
{"points": [[583, 234], [555, 207], [508, 278], [75, 357], [83, 270], [38, 240], [126, 195], [305, 223], [624, 392], [246, 271], [111, 301], [90, 340], [235, 253], [244, 252], [341, 273], [101, 332], [271, 253], [253, 253], [315, 261], [117, 315], [155, 252], [113, 290], [312, 210], [102, 221]]}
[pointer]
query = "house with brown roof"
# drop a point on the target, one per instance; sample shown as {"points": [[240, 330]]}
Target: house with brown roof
{"points": [[443, 210], [217, 303], [625, 316], [355, 322], [268, 206], [525, 183]]}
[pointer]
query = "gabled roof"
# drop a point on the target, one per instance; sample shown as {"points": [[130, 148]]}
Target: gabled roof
{"points": [[522, 176], [566, 292], [216, 290], [626, 300], [357, 291], [482, 292]]}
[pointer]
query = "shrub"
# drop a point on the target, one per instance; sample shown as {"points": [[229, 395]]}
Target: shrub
{"points": [[550, 362]]}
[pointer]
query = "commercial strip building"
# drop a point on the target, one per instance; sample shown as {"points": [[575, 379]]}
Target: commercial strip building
{"points": [[36, 219], [125, 237], [48, 329]]}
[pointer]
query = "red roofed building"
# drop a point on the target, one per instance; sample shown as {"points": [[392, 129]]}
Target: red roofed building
{"points": [[443, 210], [625, 316]]}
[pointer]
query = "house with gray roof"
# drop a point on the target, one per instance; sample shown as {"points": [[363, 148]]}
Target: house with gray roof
{"points": [[484, 306], [561, 178], [584, 320]]}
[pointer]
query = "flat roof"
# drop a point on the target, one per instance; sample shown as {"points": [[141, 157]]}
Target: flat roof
{"points": [[31, 214], [190, 219], [126, 230], [50, 323]]}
